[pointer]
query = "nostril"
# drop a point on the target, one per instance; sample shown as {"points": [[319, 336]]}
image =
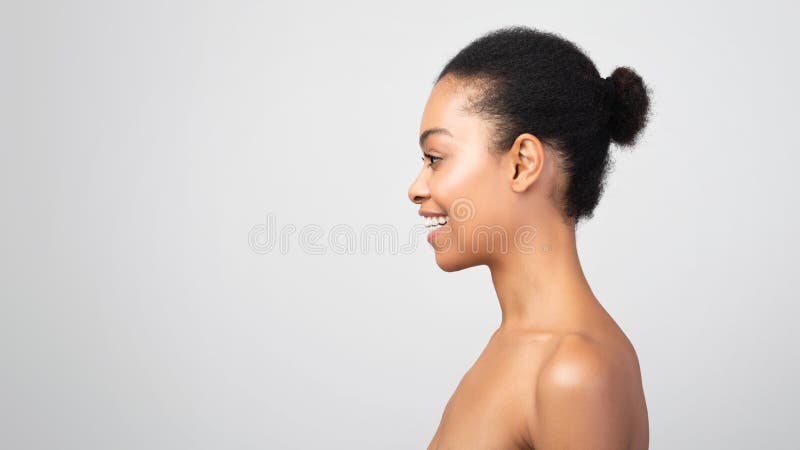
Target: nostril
{"points": [[418, 191]]}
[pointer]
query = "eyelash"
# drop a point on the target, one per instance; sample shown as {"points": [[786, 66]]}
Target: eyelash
{"points": [[431, 158]]}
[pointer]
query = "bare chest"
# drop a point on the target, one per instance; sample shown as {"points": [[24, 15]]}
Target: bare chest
{"points": [[481, 418], [492, 406]]}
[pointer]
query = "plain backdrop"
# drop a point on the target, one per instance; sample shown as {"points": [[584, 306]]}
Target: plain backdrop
{"points": [[143, 145]]}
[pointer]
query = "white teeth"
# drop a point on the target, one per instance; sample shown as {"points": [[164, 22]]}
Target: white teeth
{"points": [[435, 221]]}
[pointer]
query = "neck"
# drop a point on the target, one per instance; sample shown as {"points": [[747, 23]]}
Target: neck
{"points": [[542, 290]]}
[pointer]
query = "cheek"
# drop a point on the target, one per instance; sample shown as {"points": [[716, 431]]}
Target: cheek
{"points": [[468, 185]]}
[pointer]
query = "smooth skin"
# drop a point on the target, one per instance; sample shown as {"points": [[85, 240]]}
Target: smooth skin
{"points": [[558, 373]]}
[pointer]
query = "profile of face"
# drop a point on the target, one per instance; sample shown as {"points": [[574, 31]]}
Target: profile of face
{"points": [[486, 197]]}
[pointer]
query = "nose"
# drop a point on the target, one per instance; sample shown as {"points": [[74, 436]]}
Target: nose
{"points": [[418, 191]]}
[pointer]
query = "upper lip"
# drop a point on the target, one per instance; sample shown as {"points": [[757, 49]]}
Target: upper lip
{"points": [[431, 214]]}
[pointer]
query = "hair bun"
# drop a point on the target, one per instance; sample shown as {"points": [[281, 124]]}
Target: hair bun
{"points": [[630, 108]]}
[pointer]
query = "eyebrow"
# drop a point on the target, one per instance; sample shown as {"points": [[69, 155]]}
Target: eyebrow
{"points": [[431, 131]]}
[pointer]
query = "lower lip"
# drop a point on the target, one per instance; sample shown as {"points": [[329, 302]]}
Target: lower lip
{"points": [[434, 232]]}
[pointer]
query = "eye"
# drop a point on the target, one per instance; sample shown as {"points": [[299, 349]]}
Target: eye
{"points": [[433, 159]]}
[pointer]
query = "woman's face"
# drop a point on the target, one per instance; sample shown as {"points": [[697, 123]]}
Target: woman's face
{"points": [[461, 179]]}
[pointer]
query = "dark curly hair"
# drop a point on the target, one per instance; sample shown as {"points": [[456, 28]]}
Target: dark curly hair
{"points": [[532, 81]]}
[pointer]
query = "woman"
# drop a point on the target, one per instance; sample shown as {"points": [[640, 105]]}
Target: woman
{"points": [[515, 137]]}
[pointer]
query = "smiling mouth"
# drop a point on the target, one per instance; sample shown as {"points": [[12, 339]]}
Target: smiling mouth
{"points": [[436, 222]]}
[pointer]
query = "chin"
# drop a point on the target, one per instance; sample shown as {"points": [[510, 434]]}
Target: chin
{"points": [[452, 261]]}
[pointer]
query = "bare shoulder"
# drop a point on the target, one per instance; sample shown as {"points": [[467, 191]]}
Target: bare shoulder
{"points": [[581, 362], [584, 397]]}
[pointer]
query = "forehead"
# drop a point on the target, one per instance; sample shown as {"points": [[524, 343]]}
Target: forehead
{"points": [[446, 108]]}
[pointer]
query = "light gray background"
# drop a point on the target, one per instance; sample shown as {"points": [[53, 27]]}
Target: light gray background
{"points": [[143, 141]]}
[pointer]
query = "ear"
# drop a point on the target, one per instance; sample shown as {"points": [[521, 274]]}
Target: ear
{"points": [[527, 157]]}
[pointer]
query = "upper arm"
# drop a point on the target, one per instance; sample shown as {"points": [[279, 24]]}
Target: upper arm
{"points": [[580, 400]]}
